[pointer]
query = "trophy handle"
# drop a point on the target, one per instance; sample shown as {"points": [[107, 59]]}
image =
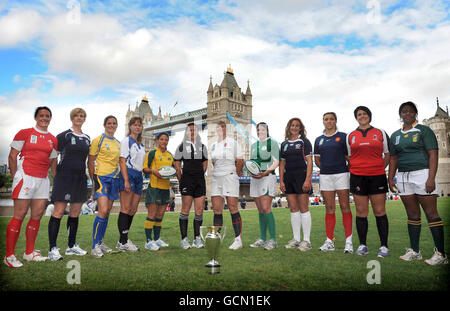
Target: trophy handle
{"points": [[201, 233]]}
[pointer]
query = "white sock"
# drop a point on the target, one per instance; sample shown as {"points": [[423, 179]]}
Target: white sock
{"points": [[306, 223], [296, 224], [348, 239]]}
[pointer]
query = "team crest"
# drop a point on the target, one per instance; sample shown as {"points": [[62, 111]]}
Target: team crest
{"points": [[33, 139], [375, 137], [415, 138], [338, 139], [321, 142], [353, 139]]}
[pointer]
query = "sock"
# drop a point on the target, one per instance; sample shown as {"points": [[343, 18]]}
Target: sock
{"points": [[53, 229], [362, 226], [306, 224], [157, 228], [383, 229], [347, 221], [31, 234], [262, 227], [98, 228], [296, 224], [72, 228], [218, 220], [12, 235], [183, 221], [414, 227], [237, 224], [198, 221], [122, 224], [149, 228], [437, 231], [130, 220], [270, 221], [330, 223]]}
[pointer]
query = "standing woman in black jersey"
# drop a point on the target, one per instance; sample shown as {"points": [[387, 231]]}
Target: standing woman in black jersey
{"points": [[70, 184]]}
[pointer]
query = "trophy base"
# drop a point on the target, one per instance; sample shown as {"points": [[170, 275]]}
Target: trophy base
{"points": [[213, 267]]}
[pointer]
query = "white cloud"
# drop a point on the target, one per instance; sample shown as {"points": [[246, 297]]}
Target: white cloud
{"points": [[19, 26]]}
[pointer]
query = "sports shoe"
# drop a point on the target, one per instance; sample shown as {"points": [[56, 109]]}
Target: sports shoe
{"points": [[237, 244], [198, 243], [12, 262], [151, 245], [258, 243], [383, 252], [75, 250], [348, 249], [34, 256], [304, 246], [362, 250], [185, 244], [292, 244], [411, 255], [161, 243], [97, 251], [129, 246], [328, 246], [436, 259], [105, 249], [270, 245], [54, 254]]}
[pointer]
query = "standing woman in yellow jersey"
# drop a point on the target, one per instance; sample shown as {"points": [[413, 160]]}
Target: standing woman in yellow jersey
{"points": [[158, 192], [103, 164]]}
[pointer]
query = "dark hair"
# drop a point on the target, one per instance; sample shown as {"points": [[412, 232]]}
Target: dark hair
{"points": [[158, 135], [42, 108], [131, 122], [187, 132], [264, 124], [410, 104], [107, 118], [333, 113], [365, 109], [288, 125]]}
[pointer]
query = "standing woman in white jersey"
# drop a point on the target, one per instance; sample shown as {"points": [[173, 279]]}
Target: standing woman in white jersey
{"points": [[295, 181], [226, 156], [36, 149], [131, 161], [70, 184], [330, 155]]}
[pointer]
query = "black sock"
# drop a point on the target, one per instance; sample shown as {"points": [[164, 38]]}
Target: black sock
{"points": [[362, 226], [183, 220], [53, 230], [414, 227], [72, 228], [237, 223], [122, 224], [383, 229], [130, 220], [218, 220], [437, 231], [198, 220]]}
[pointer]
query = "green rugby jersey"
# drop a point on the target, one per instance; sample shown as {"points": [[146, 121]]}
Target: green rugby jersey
{"points": [[411, 147], [264, 153]]}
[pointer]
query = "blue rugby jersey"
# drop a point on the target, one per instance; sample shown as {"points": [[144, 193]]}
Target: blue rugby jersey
{"points": [[295, 153], [74, 150], [332, 151]]}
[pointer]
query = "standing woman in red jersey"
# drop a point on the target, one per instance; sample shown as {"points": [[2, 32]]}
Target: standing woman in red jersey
{"points": [[36, 149], [369, 155]]}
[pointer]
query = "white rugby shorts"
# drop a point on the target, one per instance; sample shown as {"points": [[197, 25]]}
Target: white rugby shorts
{"points": [[29, 187], [413, 182], [263, 186], [225, 186], [333, 182]]}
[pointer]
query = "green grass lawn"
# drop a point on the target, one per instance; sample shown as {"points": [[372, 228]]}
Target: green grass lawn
{"points": [[246, 269]]}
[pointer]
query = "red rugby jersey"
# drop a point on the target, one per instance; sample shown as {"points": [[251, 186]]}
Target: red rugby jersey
{"points": [[36, 149], [366, 148]]}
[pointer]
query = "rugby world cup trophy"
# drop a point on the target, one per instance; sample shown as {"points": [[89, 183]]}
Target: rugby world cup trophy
{"points": [[213, 243]]}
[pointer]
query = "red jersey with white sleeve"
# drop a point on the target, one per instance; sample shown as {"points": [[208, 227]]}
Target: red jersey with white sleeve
{"points": [[366, 149], [36, 149]]}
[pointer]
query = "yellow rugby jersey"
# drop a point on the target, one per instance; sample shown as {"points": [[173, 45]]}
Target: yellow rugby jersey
{"points": [[107, 150], [156, 159]]}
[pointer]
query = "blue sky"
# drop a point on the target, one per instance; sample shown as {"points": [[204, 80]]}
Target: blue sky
{"points": [[330, 54]]}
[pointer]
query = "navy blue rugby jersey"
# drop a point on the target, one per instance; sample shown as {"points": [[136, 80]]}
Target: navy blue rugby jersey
{"points": [[74, 150], [295, 153], [332, 151]]}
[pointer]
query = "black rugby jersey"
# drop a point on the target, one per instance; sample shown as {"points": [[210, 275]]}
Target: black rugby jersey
{"points": [[295, 153], [74, 150], [192, 157]]}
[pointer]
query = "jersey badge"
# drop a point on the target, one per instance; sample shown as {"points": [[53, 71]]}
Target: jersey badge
{"points": [[415, 138], [375, 137], [264, 148], [107, 146], [33, 139], [338, 139], [353, 139], [74, 141], [297, 146], [321, 142], [406, 136], [397, 140]]}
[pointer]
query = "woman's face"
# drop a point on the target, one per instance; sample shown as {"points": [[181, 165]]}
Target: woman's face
{"points": [[111, 126], [192, 132], [136, 128], [329, 121], [78, 119], [362, 117], [295, 128], [43, 119], [163, 141], [221, 130], [408, 115], [261, 132]]}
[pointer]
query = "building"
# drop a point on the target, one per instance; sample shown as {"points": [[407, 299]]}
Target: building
{"points": [[440, 124]]}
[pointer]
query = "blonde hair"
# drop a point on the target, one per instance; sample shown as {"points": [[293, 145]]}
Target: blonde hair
{"points": [[76, 111]]}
